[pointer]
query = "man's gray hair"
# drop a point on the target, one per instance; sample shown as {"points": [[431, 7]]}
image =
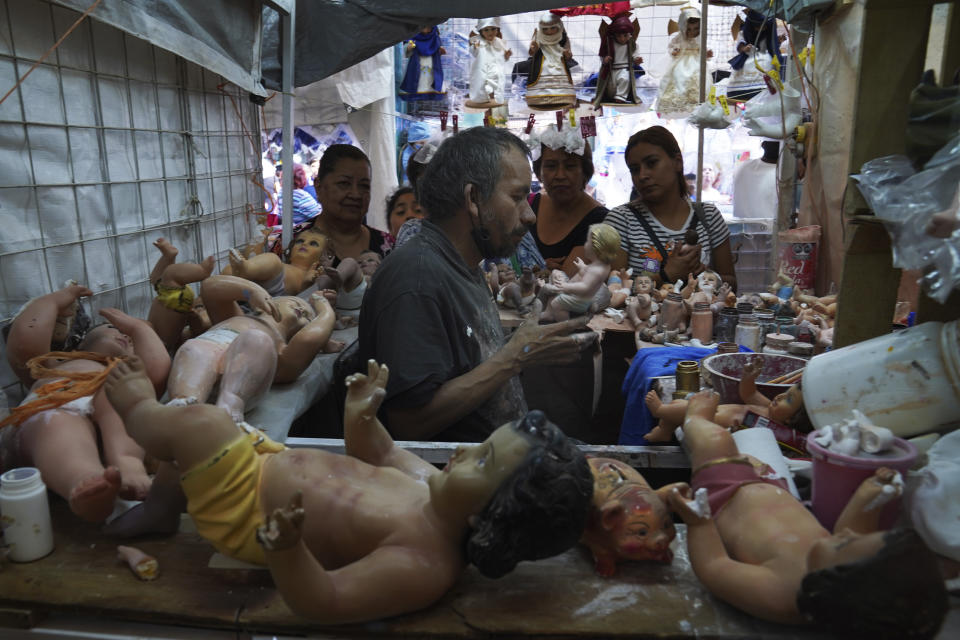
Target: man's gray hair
{"points": [[470, 157]]}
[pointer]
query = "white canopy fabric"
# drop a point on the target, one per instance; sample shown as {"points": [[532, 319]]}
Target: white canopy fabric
{"points": [[220, 35]]}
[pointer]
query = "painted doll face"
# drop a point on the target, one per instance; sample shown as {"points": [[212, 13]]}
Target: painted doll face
{"points": [[621, 38], [368, 261], [549, 30], [488, 33], [693, 27], [642, 284], [506, 273]]}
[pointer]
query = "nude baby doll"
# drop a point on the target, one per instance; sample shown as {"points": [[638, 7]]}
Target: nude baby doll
{"points": [[376, 532], [175, 307], [57, 426], [576, 295], [786, 408], [513, 293], [763, 552], [248, 352], [305, 259]]}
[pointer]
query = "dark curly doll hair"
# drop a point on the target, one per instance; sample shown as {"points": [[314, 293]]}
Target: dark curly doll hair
{"points": [[896, 593], [541, 509]]}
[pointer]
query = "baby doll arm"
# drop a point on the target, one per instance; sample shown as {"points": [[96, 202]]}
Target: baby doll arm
{"points": [[303, 347], [364, 436], [389, 581], [32, 329], [755, 589], [592, 277], [221, 294], [146, 344], [748, 384], [862, 513]]}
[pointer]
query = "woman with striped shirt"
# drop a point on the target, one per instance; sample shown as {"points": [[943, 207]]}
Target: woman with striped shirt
{"points": [[652, 227]]}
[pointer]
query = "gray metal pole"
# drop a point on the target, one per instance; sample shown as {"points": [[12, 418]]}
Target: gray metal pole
{"points": [[703, 92], [288, 22]]}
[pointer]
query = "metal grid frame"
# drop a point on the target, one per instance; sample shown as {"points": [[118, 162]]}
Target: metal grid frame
{"points": [[151, 147]]}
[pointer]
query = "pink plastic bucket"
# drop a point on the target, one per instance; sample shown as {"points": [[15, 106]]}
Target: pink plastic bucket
{"points": [[836, 477]]}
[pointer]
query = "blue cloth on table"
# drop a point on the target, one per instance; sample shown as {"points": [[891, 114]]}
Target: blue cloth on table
{"points": [[647, 365]]}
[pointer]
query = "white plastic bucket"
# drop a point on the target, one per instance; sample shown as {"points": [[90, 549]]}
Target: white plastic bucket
{"points": [[907, 381]]}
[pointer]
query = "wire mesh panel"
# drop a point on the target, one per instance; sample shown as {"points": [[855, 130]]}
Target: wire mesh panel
{"points": [[109, 144]]}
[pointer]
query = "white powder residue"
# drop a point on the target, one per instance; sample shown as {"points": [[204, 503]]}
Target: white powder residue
{"points": [[609, 600]]}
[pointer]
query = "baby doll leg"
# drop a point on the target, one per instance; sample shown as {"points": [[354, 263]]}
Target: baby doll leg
{"points": [[195, 369], [703, 438], [248, 369], [260, 268], [168, 256], [671, 416], [64, 447], [188, 435], [167, 322], [120, 450], [183, 273]]}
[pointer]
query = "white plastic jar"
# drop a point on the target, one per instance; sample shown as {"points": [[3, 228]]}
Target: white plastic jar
{"points": [[25, 514], [907, 381]]}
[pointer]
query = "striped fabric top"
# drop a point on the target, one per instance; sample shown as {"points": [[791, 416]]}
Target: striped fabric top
{"points": [[642, 252]]}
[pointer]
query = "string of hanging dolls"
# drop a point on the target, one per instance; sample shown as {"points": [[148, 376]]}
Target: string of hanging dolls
{"points": [[546, 73]]}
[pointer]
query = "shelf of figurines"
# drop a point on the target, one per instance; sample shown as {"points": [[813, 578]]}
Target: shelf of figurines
{"points": [[704, 312]]}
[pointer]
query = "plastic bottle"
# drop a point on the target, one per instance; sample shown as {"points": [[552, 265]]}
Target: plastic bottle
{"points": [[748, 332], [907, 381], [26, 514], [701, 322]]}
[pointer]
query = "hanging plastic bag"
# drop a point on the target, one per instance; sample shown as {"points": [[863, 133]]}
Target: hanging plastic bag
{"points": [[921, 211]]}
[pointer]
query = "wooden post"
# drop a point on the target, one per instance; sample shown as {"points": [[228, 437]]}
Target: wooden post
{"points": [[868, 289]]}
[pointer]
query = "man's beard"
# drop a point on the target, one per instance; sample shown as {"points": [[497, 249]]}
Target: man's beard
{"points": [[488, 249]]}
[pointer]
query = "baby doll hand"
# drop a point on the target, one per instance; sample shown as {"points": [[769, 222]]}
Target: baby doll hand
{"points": [[567, 54], [638, 60], [752, 369], [507, 54], [123, 322], [579, 264], [885, 485], [442, 51], [282, 529], [319, 301], [259, 300], [69, 294], [692, 509], [607, 60]]}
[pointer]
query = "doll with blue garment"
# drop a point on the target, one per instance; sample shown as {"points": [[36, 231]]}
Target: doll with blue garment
{"points": [[423, 79]]}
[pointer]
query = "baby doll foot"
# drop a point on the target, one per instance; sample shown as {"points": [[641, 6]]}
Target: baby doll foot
{"points": [[653, 402], [208, 264], [127, 385], [93, 498], [334, 346], [659, 433], [166, 248], [238, 264], [135, 482], [703, 404]]}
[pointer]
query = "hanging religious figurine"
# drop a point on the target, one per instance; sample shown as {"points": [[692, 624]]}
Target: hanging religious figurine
{"points": [[618, 45], [757, 43], [549, 85], [487, 76], [680, 85], [424, 77]]}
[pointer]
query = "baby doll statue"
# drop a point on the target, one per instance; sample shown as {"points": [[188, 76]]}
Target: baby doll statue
{"points": [[175, 306], [576, 295], [680, 85], [786, 409], [486, 75], [549, 85], [618, 45], [369, 261], [619, 288], [424, 77], [643, 305], [757, 43], [65, 426], [304, 259], [511, 292], [629, 520]]}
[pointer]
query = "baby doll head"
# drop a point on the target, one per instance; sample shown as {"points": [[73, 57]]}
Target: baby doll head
{"points": [[603, 241], [643, 284], [369, 261], [693, 28], [689, 22], [709, 279], [621, 28], [488, 28], [505, 273], [550, 25]]}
